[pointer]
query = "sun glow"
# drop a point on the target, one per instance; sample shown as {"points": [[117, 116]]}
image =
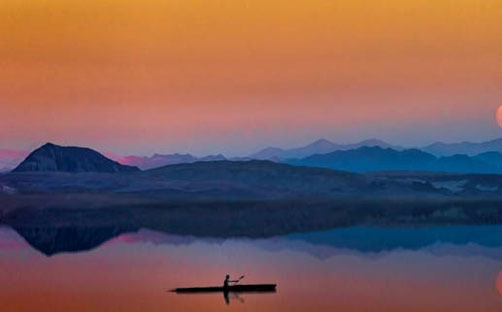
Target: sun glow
{"points": [[499, 116], [171, 75]]}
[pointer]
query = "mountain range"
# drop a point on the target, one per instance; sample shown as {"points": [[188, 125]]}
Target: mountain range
{"points": [[466, 148], [324, 146], [159, 160], [321, 146], [53, 168], [59, 191], [9, 159], [386, 159], [235, 192]]}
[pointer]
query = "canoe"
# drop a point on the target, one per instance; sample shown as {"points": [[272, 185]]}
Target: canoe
{"points": [[233, 288]]}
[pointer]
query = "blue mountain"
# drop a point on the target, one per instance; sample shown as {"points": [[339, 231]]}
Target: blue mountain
{"points": [[376, 158]]}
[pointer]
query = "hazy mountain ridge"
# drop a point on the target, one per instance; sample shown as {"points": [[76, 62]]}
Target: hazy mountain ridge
{"points": [[160, 160], [366, 159], [321, 146], [467, 148]]}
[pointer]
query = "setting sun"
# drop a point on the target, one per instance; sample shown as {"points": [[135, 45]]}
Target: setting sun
{"points": [[499, 116]]}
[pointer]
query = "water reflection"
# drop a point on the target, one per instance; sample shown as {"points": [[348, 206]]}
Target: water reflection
{"points": [[498, 283], [424, 269], [235, 296], [454, 240], [228, 296], [53, 240], [53, 231]]}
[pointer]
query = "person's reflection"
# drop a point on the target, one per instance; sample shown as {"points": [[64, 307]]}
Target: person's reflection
{"points": [[231, 295]]}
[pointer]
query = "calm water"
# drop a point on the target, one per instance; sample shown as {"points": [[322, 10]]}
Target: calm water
{"points": [[354, 269]]}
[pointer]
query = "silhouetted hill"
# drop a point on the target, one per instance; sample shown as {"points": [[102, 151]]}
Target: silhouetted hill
{"points": [[379, 159], [259, 177], [51, 157], [217, 179]]}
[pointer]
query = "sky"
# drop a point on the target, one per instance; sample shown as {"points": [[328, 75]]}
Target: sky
{"points": [[233, 76]]}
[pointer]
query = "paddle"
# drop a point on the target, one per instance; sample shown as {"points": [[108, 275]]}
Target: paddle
{"points": [[239, 279]]}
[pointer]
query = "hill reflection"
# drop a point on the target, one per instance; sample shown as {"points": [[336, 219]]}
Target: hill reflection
{"points": [[54, 240], [59, 231]]}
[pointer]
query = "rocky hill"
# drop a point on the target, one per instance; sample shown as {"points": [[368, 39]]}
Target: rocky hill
{"points": [[55, 158]]}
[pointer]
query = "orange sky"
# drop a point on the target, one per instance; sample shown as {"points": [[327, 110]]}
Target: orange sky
{"points": [[138, 76]]}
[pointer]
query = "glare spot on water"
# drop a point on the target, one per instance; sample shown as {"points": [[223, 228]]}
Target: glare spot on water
{"points": [[498, 283]]}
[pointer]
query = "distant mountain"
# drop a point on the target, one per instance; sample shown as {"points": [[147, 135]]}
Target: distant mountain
{"points": [[212, 158], [467, 148], [370, 159], [268, 153], [58, 171], [51, 157], [386, 159], [159, 160], [493, 159], [9, 159], [321, 146]]}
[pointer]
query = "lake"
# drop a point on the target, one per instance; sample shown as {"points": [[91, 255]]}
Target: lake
{"points": [[457, 268]]}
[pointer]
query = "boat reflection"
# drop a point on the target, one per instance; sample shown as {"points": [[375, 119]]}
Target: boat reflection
{"points": [[234, 295]]}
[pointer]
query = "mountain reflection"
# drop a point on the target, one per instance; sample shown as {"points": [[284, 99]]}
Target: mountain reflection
{"points": [[54, 240], [136, 257], [52, 232], [322, 245]]}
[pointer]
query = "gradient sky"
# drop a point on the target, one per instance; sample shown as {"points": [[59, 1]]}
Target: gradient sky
{"points": [[232, 76]]}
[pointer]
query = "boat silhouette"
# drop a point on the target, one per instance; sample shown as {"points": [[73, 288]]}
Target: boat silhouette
{"points": [[234, 288]]}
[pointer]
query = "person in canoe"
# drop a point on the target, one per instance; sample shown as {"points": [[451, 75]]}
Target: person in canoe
{"points": [[227, 281], [226, 287]]}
